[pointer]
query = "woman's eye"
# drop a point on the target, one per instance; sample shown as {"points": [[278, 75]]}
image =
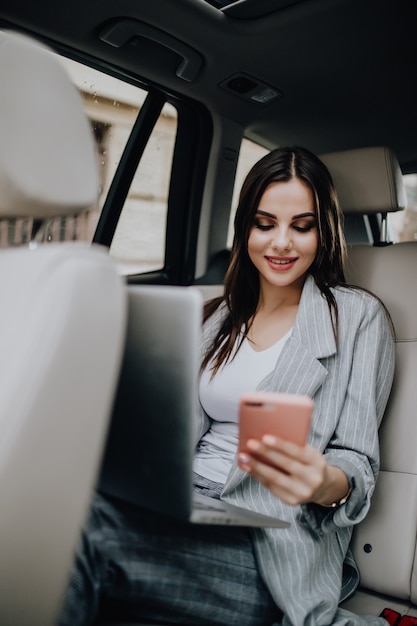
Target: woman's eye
{"points": [[262, 226], [304, 228]]}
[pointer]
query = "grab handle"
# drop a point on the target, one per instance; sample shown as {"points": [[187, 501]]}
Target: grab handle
{"points": [[122, 31]]}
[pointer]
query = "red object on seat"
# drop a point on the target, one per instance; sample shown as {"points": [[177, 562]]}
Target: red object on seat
{"points": [[396, 619]]}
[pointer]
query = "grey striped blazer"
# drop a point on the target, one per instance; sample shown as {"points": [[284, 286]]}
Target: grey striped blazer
{"points": [[303, 565]]}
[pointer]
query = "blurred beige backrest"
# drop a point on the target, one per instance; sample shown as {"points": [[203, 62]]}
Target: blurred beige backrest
{"points": [[62, 325], [369, 181]]}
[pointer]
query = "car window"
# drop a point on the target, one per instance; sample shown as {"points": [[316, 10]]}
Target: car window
{"points": [[250, 153], [139, 241], [403, 224], [112, 106]]}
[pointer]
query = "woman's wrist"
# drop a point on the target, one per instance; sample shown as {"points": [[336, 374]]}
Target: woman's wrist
{"points": [[336, 489], [338, 503]]}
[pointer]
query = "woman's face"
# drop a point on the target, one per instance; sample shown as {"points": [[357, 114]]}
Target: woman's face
{"points": [[283, 240]]}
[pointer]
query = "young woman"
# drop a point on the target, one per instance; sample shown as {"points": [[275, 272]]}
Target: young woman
{"points": [[287, 322]]}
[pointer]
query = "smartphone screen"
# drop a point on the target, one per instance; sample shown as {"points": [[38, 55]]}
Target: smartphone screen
{"points": [[283, 415]]}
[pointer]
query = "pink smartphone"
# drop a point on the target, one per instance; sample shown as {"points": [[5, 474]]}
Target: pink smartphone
{"points": [[283, 415]]}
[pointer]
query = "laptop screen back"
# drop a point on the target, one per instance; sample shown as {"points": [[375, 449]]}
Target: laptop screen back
{"points": [[149, 451]]}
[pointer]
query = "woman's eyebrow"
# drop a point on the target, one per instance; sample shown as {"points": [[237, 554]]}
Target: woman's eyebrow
{"points": [[302, 215], [265, 214], [295, 217]]}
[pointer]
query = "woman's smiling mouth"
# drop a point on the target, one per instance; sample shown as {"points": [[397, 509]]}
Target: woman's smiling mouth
{"points": [[281, 263]]}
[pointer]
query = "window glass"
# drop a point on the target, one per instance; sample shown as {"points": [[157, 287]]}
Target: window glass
{"points": [[250, 153], [112, 107], [403, 224], [139, 241]]}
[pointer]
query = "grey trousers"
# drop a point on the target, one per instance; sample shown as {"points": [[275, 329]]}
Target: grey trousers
{"points": [[138, 566]]}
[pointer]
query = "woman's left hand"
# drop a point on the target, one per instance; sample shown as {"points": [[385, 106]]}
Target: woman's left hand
{"points": [[294, 474]]}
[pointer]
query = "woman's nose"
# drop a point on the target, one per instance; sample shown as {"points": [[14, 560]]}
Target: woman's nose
{"points": [[281, 239]]}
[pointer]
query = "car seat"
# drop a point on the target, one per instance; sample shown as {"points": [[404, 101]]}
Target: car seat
{"points": [[62, 325], [369, 182]]}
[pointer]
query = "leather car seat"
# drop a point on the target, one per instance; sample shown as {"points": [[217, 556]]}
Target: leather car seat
{"points": [[369, 182], [62, 326]]}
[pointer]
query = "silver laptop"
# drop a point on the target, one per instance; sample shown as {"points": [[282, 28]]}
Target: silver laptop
{"points": [[149, 452]]}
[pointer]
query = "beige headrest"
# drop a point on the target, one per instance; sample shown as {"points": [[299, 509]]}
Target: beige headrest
{"points": [[367, 180], [48, 163]]}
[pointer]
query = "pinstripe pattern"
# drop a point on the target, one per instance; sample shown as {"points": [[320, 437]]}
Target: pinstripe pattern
{"points": [[302, 565]]}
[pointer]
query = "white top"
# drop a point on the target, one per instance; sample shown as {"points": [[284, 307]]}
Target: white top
{"points": [[220, 397]]}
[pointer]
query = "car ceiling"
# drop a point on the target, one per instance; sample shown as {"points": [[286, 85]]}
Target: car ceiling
{"points": [[344, 69]]}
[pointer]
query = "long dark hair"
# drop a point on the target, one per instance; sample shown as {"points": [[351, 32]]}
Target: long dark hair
{"points": [[241, 289]]}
